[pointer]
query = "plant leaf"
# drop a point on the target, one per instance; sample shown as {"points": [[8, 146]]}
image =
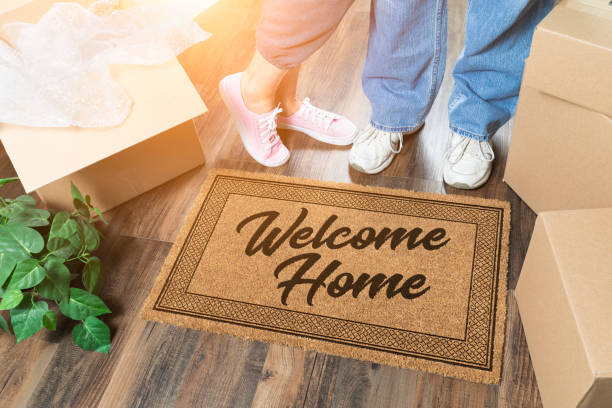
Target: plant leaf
{"points": [[7, 264], [56, 284], [8, 208], [26, 200], [27, 317], [76, 194], [82, 208], [60, 247], [63, 226], [92, 335], [97, 210], [77, 240], [92, 275], [4, 325], [90, 234], [50, 320], [11, 299], [5, 210], [79, 202], [8, 180], [30, 217], [82, 305], [28, 273], [17, 241], [11, 207]]}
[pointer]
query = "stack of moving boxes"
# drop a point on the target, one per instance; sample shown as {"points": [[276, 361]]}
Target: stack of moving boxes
{"points": [[560, 164]]}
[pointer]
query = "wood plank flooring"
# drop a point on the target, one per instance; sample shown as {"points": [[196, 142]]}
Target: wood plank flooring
{"points": [[158, 365]]}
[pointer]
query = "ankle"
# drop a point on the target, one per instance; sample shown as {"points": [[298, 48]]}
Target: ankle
{"points": [[290, 106], [254, 97]]}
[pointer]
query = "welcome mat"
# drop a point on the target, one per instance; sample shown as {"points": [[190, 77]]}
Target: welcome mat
{"points": [[392, 276]]}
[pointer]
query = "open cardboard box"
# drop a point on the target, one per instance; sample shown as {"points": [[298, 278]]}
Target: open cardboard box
{"points": [[156, 143], [561, 144], [564, 296]]}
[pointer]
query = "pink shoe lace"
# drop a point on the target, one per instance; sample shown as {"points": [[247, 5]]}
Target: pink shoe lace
{"points": [[267, 129], [321, 118]]}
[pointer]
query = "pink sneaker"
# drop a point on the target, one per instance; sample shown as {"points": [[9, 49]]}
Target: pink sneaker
{"points": [[326, 127], [258, 132]]}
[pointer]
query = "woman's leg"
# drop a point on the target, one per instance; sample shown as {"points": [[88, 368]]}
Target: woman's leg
{"points": [[259, 84], [264, 86], [289, 32], [286, 93]]}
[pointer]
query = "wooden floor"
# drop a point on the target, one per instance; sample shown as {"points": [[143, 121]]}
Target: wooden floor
{"points": [[158, 365]]}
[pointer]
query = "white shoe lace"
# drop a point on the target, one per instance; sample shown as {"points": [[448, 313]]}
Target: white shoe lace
{"points": [[381, 138], [484, 151], [267, 129], [322, 118]]}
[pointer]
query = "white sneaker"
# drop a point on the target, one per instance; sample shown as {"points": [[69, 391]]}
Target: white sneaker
{"points": [[468, 162], [374, 149]]}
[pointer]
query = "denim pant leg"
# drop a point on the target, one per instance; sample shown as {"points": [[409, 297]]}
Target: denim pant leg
{"points": [[405, 61], [489, 70]]}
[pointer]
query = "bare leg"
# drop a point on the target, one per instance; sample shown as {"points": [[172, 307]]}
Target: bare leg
{"points": [[259, 84], [287, 34], [286, 92]]}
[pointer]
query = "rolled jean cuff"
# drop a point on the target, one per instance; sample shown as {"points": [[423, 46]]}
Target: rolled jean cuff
{"points": [[469, 134], [395, 129]]}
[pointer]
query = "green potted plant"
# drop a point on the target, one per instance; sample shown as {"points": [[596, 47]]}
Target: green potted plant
{"points": [[46, 260]]}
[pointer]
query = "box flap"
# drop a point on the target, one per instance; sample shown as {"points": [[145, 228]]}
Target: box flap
{"points": [[598, 7], [599, 395], [582, 243], [163, 97], [7, 6], [571, 58]]}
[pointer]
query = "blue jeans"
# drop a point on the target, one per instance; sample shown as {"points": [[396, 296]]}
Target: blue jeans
{"points": [[407, 57]]}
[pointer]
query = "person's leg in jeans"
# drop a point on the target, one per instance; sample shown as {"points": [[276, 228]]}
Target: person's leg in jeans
{"points": [[289, 32], [401, 77], [487, 81]]}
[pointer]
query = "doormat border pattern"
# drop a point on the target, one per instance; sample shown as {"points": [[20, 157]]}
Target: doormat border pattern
{"points": [[476, 357]]}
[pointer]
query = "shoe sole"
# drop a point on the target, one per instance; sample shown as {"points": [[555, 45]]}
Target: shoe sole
{"points": [[387, 162], [376, 170], [464, 186], [241, 130], [319, 136]]}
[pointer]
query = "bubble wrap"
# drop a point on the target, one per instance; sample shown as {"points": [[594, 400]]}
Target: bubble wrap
{"points": [[55, 73]]}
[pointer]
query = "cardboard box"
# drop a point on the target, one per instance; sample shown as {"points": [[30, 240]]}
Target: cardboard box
{"points": [[560, 150], [156, 143], [598, 7], [564, 296]]}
